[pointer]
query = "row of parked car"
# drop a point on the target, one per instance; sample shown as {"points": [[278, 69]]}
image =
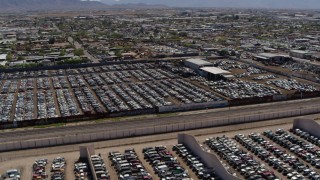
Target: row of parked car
{"points": [[112, 78], [9, 86], [25, 107], [292, 84], [26, 74], [43, 83], [76, 81], [229, 65], [123, 94], [99, 166], [242, 161], [39, 169], [195, 163], [164, 164], [59, 72], [198, 94], [46, 104], [128, 165], [109, 99], [307, 136], [303, 67], [264, 77], [11, 174], [297, 165], [87, 101], [306, 151], [81, 170], [6, 105], [26, 84], [94, 80], [253, 70], [151, 95], [60, 82], [58, 168], [275, 157], [67, 104], [132, 91], [239, 89]]}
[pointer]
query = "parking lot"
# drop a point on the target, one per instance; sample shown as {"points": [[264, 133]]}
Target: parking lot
{"points": [[249, 82], [46, 94], [132, 87], [268, 153]]}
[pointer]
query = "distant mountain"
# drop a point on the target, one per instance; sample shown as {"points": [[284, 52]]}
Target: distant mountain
{"points": [[138, 6], [27, 5], [285, 4], [33, 5]]}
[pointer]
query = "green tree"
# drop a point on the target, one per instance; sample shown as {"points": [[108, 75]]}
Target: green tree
{"points": [[52, 40], [118, 54], [79, 52], [223, 52], [20, 58], [183, 34], [9, 56], [303, 48], [62, 52]]}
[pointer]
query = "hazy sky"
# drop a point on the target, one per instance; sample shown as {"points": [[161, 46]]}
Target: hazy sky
{"points": [[309, 4]]}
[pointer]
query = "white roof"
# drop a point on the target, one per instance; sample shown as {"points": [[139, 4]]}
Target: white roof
{"points": [[199, 62], [3, 57], [299, 51], [271, 55], [214, 70]]}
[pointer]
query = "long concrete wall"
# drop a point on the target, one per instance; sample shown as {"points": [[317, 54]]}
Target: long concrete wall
{"points": [[209, 159], [162, 127], [86, 152], [193, 106], [307, 125]]}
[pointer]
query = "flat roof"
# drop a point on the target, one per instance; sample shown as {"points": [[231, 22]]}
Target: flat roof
{"points": [[214, 70], [3, 56], [199, 62], [299, 51], [271, 55]]}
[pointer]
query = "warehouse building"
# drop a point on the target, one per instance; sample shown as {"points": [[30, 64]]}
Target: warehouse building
{"points": [[270, 58], [215, 73], [206, 69], [300, 54], [196, 64]]}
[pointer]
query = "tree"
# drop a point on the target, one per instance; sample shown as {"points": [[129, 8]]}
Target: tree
{"points": [[62, 52], [9, 56], [118, 54], [183, 34], [79, 52], [52, 40], [223, 52], [20, 58], [303, 48]]}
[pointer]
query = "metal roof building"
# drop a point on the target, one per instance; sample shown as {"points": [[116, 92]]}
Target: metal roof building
{"points": [[215, 70], [196, 64], [215, 73]]}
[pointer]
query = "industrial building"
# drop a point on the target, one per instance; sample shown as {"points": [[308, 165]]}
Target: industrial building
{"points": [[196, 64], [207, 69], [215, 73], [273, 58], [300, 54]]}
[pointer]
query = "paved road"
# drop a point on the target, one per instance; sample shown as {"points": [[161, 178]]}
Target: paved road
{"points": [[156, 121], [79, 46]]}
